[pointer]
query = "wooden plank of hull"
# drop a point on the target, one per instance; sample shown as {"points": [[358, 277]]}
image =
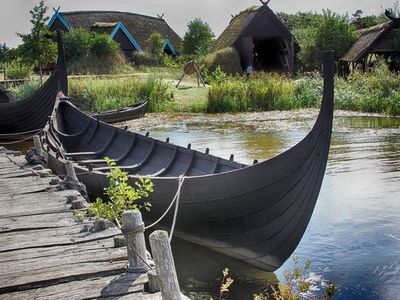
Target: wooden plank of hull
{"points": [[21, 119], [127, 113], [255, 213]]}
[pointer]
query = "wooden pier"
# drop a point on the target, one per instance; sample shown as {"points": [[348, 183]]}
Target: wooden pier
{"points": [[46, 251]]}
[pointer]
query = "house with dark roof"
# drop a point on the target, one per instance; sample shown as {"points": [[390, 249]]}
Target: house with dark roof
{"points": [[261, 39], [376, 41], [131, 31]]}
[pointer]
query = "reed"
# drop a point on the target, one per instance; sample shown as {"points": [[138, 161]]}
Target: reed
{"points": [[104, 94]]}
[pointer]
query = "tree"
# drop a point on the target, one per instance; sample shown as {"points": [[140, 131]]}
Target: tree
{"points": [[37, 48], [335, 33], [198, 38]]}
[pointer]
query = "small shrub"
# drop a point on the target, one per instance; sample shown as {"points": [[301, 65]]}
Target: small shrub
{"points": [[18, 70], [156, 43], [77, 44], [227, 59], [25, 90], [103, 45], [121, 195]]}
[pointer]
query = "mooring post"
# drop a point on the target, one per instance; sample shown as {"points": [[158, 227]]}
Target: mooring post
{"points": [[133, 229], [165, 266], [38, 145], [69, 166]]}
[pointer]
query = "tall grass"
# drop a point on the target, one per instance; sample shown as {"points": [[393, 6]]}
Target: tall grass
{"points": [[25, 90], [105, 94], [377, 91]]}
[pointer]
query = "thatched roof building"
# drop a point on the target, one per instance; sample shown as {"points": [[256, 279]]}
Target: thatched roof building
{"points": [[373, 42], [131, 31], [261, 39]]}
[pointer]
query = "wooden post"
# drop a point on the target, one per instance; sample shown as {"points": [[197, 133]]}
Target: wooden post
{"points": [[69, 166], [165, 266], [38, 146], [133, 229]]}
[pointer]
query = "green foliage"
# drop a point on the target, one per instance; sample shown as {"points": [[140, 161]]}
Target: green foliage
{"points": [[37, 48], [18, 70], [103, 45], [121, 195], [361, 22], [156, 43], [146, 59], [77, 44], [367, 92], [25, 90], [105, 94], [228, 60], [319, 32], [93, 53], [197, 39], [335, 33], [215, 77]]}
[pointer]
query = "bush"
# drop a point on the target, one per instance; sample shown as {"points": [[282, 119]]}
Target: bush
{"points": [[156, 43], [25, 90], [77, 44], [227, 59], [103, 45], [18, 70]]}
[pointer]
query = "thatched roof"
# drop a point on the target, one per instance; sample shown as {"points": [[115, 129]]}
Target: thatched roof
{"points": [[369, 38], [241, 23], [139, 26]]}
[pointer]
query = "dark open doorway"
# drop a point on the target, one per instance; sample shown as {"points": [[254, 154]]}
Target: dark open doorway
{"points": [[268, 54]]}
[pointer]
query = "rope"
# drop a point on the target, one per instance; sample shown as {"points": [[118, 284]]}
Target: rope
{"points": [[175, 199], [23, 140]]}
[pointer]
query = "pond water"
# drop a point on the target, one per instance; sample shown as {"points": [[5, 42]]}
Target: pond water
{"points": [[353, 238]]}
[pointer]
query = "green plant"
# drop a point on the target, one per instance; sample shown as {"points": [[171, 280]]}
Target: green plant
{"points": [[226, 283], [103, 45], [18, 70], [145, 59], [156, 43], [37, 48], [25, 90], [77, 44], [121, 195], [198, 38], [215, 77]]}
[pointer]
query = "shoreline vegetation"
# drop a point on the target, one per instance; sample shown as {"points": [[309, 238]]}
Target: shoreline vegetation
{"points": [[372, 92]]}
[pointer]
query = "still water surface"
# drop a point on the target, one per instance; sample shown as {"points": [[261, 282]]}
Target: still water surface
{"points": [[353, 238]]}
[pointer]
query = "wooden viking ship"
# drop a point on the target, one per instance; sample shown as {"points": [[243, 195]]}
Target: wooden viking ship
{"points": [[255, 213], [22, 119], [127, 113]]}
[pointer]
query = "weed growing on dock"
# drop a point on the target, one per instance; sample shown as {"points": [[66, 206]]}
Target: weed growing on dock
{"points": [[121, 195]]}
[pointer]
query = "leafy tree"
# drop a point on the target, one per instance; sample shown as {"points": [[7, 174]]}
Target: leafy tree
{"points": [[156, 43], [37, 48], [198, 38], [335, 33]]}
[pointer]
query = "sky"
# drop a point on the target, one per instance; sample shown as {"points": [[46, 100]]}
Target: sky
{"points": [[14, 14]]}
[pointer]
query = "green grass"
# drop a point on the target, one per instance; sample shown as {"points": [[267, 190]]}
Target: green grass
{"points": [[96, 94], [378, 91]]}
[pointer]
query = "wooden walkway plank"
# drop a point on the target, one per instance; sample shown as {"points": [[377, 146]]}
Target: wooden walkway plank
{"points": [[92, 288]]}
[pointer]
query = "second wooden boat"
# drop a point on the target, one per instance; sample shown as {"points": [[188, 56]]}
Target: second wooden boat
{"points": [[255, 213], [134, 111], [22, 119]]}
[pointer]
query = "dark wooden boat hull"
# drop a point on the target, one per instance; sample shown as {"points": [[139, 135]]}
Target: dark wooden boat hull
{"points": [[19, 120], [5, 95], [131, 112], [255, 213]]}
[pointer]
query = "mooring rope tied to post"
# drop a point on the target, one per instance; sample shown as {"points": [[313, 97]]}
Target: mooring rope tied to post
{"points": [[176, 201]]}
